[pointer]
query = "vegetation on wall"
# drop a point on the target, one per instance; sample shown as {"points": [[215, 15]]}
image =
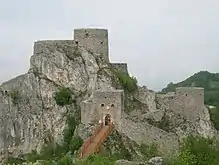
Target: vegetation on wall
{"points": [[129, 84]]}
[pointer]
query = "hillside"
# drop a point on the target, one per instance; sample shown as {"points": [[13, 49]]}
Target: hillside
{"points": [[209, 81]]}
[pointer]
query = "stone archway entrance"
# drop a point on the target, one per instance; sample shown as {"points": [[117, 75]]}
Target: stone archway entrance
{"points": [[107, 119]]}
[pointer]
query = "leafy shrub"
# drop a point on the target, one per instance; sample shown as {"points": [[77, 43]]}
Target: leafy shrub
{"points": [[197, 151], [69, 131], [128, 83], [75, 144], [214, 116], [63, 97], [98, 160]]}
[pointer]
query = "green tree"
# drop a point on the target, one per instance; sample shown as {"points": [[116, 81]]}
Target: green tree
{"points": [[214, 115], [128, 83], [63, 97], [75, 144], [197, 151]]}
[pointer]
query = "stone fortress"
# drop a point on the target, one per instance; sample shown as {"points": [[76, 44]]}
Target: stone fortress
{"points": [[187, 102], [105, 104], [50, 67], [96, 41]]}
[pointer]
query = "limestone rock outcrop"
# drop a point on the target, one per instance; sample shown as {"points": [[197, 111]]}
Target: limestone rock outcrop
{"points": [[28, 112]]}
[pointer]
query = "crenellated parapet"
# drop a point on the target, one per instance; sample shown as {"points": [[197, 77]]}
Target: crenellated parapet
{"points": [[123, 67]]}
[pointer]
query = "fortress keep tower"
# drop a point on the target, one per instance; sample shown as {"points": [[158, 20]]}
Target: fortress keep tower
{"points": [[189, 102], [96, 40], [105, 105]]}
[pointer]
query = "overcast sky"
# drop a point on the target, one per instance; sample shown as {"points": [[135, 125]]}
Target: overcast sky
{"points": [[161, 40]]}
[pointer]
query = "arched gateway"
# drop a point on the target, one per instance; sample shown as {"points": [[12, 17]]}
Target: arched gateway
{"points": [[107, 119]]}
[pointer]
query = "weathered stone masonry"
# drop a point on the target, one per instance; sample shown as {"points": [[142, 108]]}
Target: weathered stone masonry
{"points": [[104, 102], [121, 67], [96, 40], [186, 101]]}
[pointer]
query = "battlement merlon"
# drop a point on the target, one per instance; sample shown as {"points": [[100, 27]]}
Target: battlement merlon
{"points": [[191, 90], [43, 45], [95, 40], [123, 67]]}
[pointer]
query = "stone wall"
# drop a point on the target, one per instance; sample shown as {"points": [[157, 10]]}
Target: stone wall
{"points": [[121, 67], [88, 113], [188, 102], [96, 40], [147, 97], [145, 133], [163, 101]]}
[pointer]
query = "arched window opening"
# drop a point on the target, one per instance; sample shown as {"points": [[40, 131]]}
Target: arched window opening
{"points": [[112, 105], [102, 105]]}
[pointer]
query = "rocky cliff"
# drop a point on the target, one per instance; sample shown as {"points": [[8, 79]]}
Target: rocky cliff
{"points": [[28, 110], [30, 116], [29, 113]]}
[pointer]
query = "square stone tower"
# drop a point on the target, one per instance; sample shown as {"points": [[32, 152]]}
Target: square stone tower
{"points": [[109, 105], [96, 40], [189, 102]]}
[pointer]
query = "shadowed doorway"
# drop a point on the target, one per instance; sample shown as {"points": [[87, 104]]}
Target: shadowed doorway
{"points": [[107, 120]]}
